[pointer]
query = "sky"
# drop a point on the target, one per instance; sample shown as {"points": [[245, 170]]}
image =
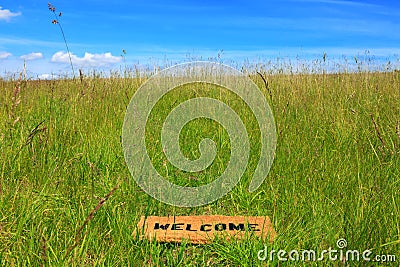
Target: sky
{"points": [[168, 32]]}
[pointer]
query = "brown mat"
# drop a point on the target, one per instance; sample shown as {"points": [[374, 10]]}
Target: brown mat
{"points": [[203, 229]]}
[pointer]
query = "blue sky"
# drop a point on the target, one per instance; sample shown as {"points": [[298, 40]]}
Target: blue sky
{"points": [[155, 32]]}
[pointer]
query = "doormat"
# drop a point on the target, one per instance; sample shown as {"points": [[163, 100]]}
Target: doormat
{"points": [[204, 228]]}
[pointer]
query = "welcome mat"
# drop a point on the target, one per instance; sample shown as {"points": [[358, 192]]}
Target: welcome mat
{"points": [[203, 229]]}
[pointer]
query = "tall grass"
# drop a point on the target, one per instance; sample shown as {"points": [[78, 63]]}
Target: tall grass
{"points": [[336, 172]]}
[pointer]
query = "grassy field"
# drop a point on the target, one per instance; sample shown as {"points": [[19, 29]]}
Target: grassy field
{"points": [[336, 172]]}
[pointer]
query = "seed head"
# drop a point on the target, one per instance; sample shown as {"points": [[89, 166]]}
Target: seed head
{"points": [[51, 7]]}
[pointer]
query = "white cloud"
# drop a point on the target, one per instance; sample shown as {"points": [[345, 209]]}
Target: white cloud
{"points": [[45, 76], [4, 55], [32, 56], [88, 60], [6, 14]]}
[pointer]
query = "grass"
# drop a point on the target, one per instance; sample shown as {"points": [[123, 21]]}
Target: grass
{"points": [[336, 172]]}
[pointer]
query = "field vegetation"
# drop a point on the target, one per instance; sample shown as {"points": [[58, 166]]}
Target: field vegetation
{"points": [[67, 197]]}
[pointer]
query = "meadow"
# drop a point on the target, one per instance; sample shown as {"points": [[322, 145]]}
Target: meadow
{"points": [[67, 197]]}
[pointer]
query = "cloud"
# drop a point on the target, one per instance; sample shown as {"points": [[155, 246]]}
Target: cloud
{"points": [[45, 76], [4, 55], [88, 60], [32, 56], [6, 14]]}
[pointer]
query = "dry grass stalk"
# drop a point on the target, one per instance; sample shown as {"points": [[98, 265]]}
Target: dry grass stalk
{"points": [[78, 235], [16, 100], [44, 251], [81, 75], [378, 133], [265, 84]]}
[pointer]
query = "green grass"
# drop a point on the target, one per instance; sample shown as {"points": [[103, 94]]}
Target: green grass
{"points": [[336, 172]]}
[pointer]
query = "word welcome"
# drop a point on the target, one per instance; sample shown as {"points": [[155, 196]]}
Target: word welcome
{"points": [[209, 227]]}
